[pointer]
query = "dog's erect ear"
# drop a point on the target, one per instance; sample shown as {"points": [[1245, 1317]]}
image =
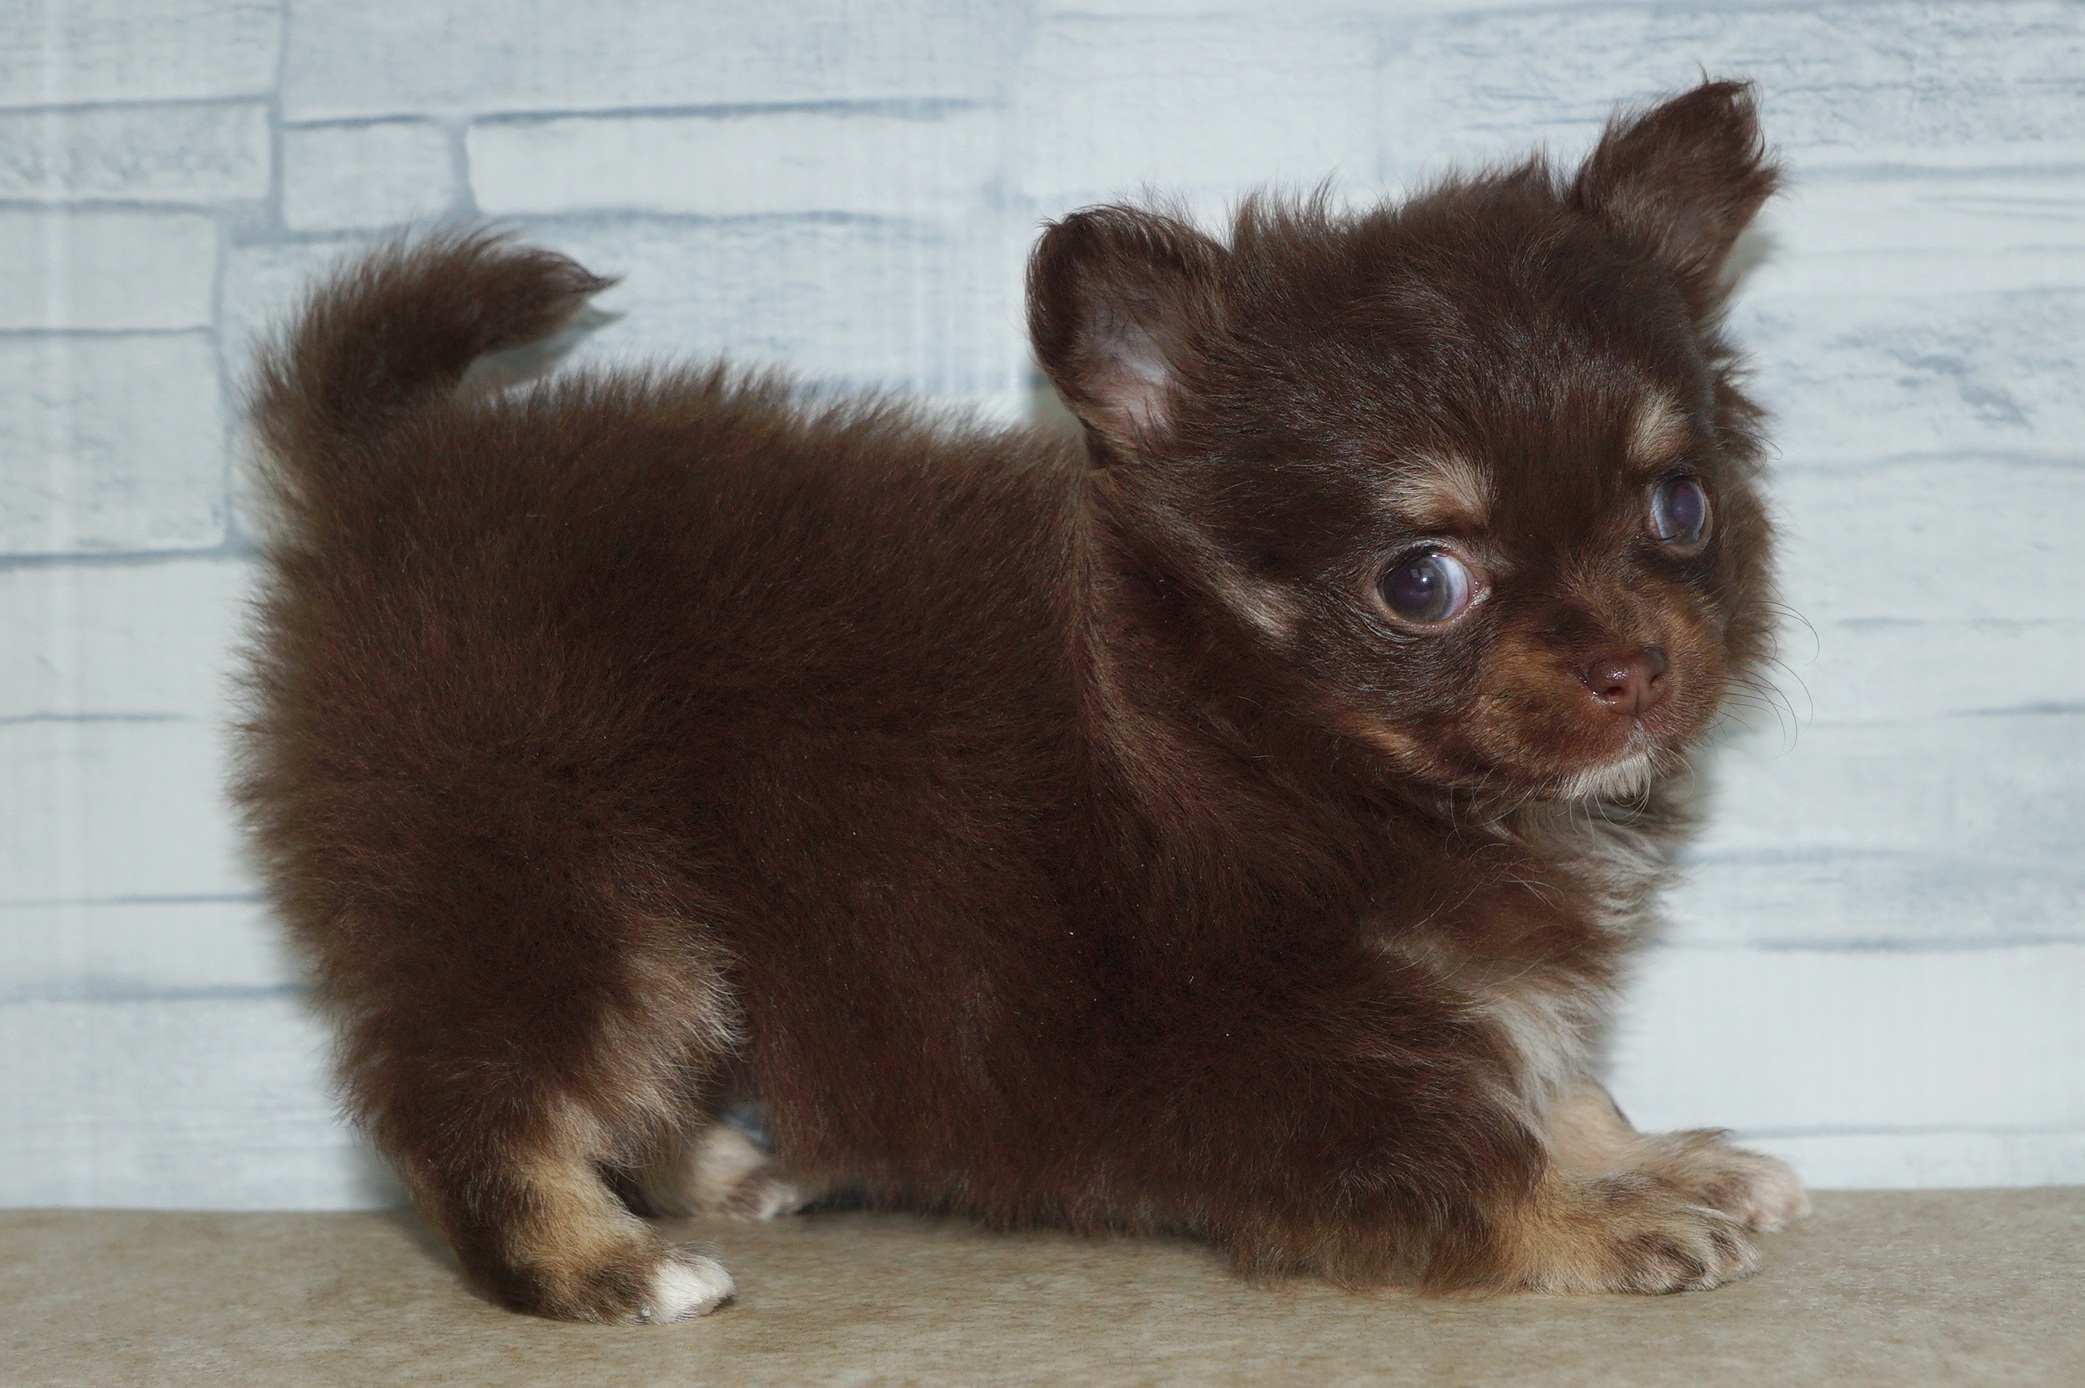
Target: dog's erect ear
{"points": [[1118, 300], [1682, 180]]}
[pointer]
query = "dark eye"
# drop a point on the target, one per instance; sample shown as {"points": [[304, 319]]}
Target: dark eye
{"points": [[1431, 586], [1680, 512]]}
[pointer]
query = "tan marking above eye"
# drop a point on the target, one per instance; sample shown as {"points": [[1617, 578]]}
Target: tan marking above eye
{"points": [[1442, 492], [1659, 435]]}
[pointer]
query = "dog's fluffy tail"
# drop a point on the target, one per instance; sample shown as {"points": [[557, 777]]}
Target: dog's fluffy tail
{"points": [[392, 333]]}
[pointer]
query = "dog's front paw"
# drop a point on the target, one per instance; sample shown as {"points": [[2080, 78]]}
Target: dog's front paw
{"points": [[1587, 1134], [1762, 1193], [1628, 1233]]}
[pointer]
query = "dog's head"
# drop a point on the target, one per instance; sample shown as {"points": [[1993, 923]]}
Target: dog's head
{"points": [[1471, 474]]}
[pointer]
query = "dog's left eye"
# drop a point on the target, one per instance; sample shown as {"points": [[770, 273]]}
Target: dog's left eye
{"points": [[1680, 512]]}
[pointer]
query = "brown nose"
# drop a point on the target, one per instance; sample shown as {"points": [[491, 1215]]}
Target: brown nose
{"points": [[1630, 684]]}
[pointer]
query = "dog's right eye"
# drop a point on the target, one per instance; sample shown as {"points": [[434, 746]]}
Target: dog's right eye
{"points": [[1429, 587]]}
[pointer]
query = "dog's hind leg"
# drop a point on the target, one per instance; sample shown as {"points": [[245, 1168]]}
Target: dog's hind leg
{"points": [[520, 1029]]}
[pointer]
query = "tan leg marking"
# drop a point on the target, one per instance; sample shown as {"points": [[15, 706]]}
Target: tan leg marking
{"points": [[1622, 1233], [588, 1258], [1588, 1134]]}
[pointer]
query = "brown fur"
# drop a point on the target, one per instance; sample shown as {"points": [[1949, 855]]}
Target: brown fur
{"points": [[1043, 834]]}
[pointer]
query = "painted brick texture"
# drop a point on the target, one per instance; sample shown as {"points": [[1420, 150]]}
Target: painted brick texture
{"points": [[208, 155], [367, 175], [1875, 962]]}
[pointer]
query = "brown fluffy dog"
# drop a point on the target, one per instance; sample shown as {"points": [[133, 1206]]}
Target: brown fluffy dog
{"points": [[1236, 825]]}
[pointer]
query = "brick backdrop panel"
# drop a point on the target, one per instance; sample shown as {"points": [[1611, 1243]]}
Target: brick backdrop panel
{"points": [[1876, 960]]}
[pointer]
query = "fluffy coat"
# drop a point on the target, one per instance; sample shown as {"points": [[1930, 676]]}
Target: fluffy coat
{"points": [[1043, 832]]}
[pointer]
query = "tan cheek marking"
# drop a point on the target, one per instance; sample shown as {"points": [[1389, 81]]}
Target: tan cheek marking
{"points": [[1442, 491], [1660, 434], [1385, 738], [1260, 603]]}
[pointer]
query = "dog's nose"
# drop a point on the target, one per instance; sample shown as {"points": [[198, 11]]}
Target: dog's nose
{"points": [[1629, 684]]}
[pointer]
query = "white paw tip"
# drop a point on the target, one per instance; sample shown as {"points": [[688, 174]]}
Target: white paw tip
{"points": [[685, 1286]]}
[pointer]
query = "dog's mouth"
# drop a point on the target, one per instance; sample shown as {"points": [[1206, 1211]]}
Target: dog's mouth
{"points": [[1620, 762], [1625, 777], [1548, 740]]}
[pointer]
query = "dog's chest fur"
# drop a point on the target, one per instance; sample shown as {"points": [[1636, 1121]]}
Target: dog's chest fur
{"points": [[1557, 898]]}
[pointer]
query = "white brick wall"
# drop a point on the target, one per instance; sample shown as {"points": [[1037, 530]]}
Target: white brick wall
{"points": [[60, 52], [212, 155], [369, 174], [939, 164], [1877, 965], [107, 270], [110, 442], [1104, 104], [485, 57]]}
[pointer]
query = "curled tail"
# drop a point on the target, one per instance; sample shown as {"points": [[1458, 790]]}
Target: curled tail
{"points": [[397, 330]]}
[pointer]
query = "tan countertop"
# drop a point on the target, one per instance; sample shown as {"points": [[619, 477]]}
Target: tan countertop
{"points": [[1878, 1288]]}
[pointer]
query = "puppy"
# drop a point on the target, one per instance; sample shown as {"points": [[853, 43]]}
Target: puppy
{"points": [[1235, 825]]}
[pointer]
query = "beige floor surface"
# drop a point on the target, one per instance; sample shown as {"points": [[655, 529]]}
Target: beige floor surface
{"points": [[1897, 1288]]}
